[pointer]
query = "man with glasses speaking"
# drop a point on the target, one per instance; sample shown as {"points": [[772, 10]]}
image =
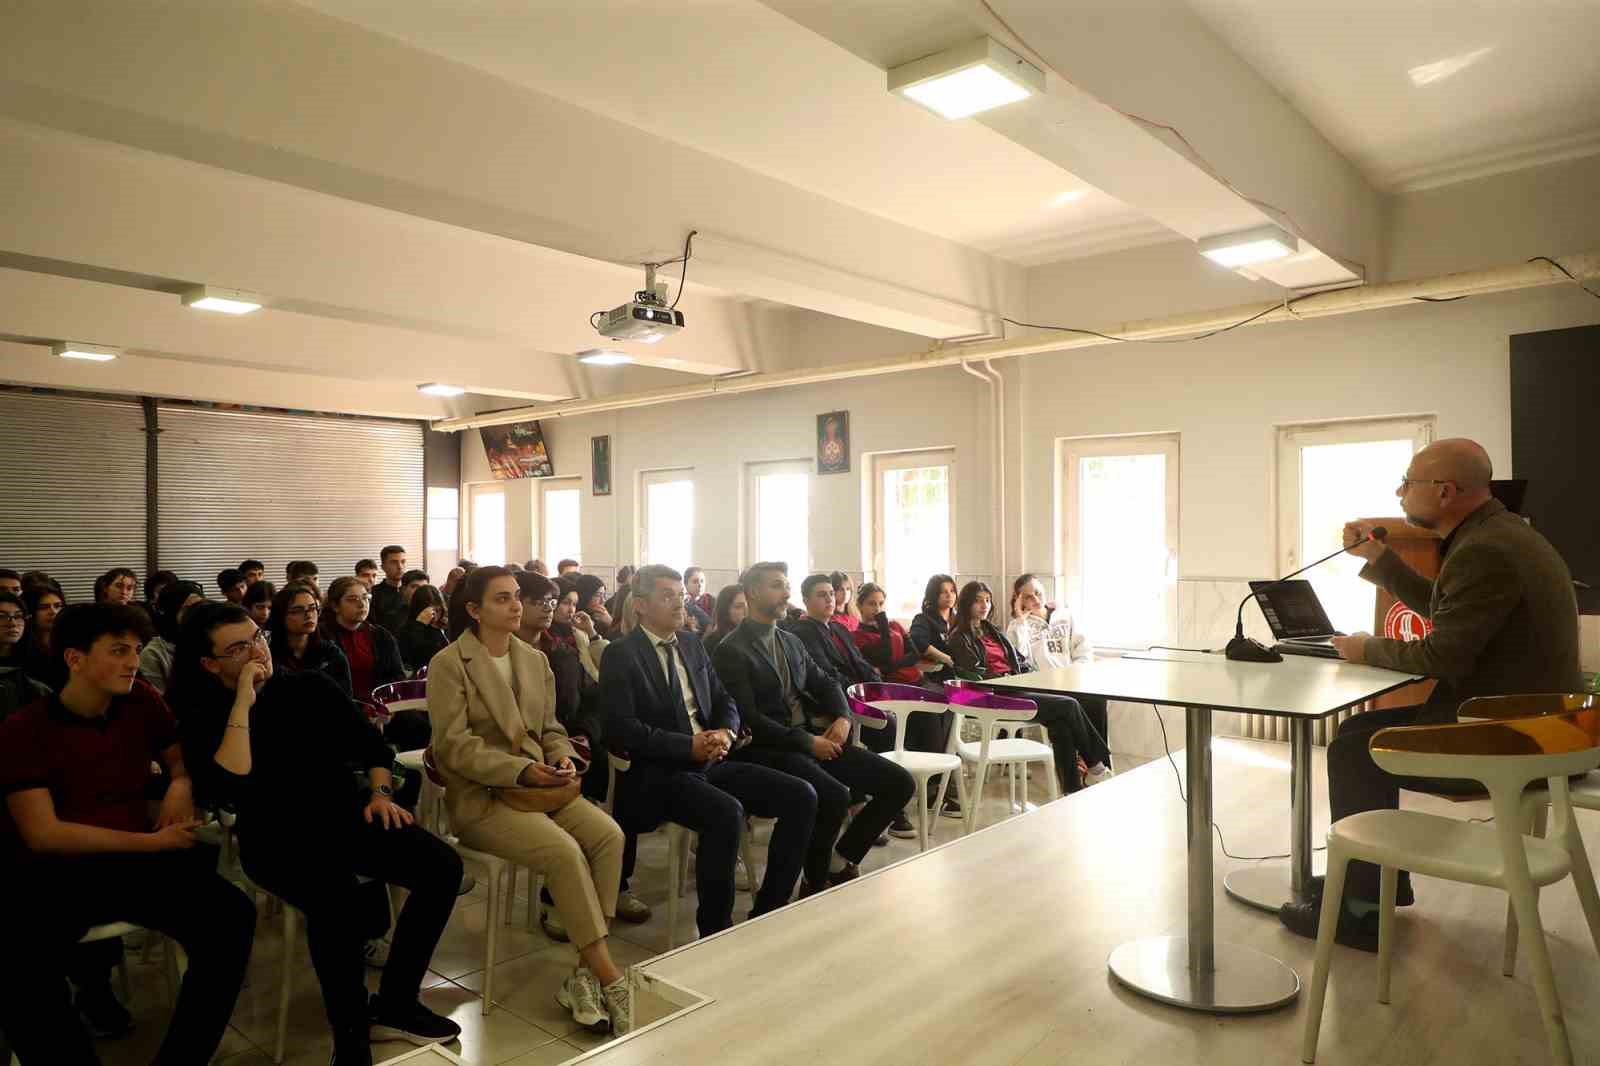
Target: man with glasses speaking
{"points": [[1505, 621]]}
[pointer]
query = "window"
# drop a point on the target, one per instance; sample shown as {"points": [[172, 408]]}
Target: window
{"points": [[778, 515], [666, 531], [559, 503], [488, 527], [913, 522], [1120, 537], [1327, 475], [444, 519]]}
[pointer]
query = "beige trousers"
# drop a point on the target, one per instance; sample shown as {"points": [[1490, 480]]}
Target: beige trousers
{"points": [[578, 849]]}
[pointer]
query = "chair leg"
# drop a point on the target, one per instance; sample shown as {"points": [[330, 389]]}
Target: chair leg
{"points": [[1011, 782], [674, 882], [497, 875], [511, 893], [1535, 822], [1388, 887], [748, 854], [1332, 899], [962, 796], [1052, 781], [1525, 898], [1023, 771], [291, 935], [971, 810], [922, 813]]}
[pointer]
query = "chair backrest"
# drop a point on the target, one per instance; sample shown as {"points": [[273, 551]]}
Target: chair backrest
{"points": [[875, 705], [401, 696], [1505, 755], [1527, 705], [421, 674], [987, 708]]}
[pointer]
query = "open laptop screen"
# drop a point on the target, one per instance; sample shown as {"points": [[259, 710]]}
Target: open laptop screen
{"points": [[1292, 609]]}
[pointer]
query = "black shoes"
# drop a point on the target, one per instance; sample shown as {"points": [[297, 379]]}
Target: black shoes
{"points": [[414, 1022], [901, 827], [850, 872], [1403, 895], [1302, 919], [102, 1014]]}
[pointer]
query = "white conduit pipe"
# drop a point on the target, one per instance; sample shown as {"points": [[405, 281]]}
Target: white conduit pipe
{"points": [[996, 465], [1000, 482], [1584, 267]]}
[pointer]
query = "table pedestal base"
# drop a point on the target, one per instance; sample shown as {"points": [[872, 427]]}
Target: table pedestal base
{"points": [[1244, 979], [1267, 884]]}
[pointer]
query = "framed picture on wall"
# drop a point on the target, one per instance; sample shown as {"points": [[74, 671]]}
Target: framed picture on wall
{"points": [[516, 451], [833, 443], [600, 457]]}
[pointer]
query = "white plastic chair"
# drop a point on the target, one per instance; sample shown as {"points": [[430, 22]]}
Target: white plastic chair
{"points": [[988, 710], [169, 953], [678, 840], [889, 700], [1505, 757]]}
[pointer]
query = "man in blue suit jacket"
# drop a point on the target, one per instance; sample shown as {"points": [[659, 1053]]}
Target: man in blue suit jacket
{"points": [[666, 707]]}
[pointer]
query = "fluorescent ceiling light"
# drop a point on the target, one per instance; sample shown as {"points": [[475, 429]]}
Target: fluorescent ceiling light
{"points": [[94, 353], [1260, 245], [1428, 73], [976, 76], [228, 301], [434, 388], [604, 357], [1071, 195]]}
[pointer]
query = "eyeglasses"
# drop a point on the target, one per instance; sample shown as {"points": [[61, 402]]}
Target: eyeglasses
{"points": [[549, 603], [12, 618], [242, 649], [304, 610], [1407, 482], [355, 600]]}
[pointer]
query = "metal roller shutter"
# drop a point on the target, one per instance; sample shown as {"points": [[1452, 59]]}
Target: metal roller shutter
{"points": [[72, 478], [235, 485]]}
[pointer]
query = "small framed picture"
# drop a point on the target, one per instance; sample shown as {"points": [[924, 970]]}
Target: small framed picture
{"points": [[600, 457], [833, 443]]}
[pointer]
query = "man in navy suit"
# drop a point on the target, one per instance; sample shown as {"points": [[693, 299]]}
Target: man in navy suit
{"points": [[667, 708]]}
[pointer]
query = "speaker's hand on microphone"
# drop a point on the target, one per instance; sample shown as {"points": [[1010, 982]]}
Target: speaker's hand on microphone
{"points": [[1358, 540]]}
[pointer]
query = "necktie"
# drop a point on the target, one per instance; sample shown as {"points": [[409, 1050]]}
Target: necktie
{"points": [[674, 688]]}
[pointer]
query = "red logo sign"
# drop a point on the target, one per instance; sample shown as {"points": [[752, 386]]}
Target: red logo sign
{"points": [[1402, 623]]}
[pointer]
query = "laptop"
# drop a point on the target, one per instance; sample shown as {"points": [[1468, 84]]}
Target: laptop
{"points": [[1295, 615]]}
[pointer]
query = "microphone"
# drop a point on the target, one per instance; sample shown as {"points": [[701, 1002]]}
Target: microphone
{"points": [[1242, 649]]}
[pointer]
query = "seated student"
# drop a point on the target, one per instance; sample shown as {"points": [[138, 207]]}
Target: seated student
{"points": [[883, 642], [828, 642], [452, 581], [614, 605], [845, 610], [367, 572], [155, 662], [17, 689], [44, 602], [568, 566], [388, 596], [697, 602], [371, 650], [117, 585], [772, 681], [231, 584], [422, 637], [257, 602], [568, 619], [303, 571], [10, 581], [491, 699], [730, 611], [80, 849], [253, 570], [279, 750], [297, 643], [625, 613], [930, 629], [668, 709], [1045, 638], [981, 650], [537, 566], [153, 586], [592, 601]]}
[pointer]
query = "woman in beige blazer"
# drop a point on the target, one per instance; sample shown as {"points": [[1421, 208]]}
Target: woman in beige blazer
{"points": [[491, 704]]}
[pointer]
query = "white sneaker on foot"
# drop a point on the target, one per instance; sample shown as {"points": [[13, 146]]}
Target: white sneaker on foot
{"points": [[619, 1002], [580, 994], [1097, 773], [377, 953]]}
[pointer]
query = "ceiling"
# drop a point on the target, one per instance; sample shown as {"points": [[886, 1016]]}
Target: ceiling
{"points": [[1419, 93]]}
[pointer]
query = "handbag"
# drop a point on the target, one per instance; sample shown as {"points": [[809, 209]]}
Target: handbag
{"points": [[544, 800]]}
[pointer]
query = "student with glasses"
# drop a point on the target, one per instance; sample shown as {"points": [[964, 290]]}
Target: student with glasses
{"points": [[17, 689], [297, 641], [371, 650], [155, 662], [279, 749]]}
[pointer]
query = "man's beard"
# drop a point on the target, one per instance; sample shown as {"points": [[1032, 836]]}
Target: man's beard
{"points": [[1420, 523]]}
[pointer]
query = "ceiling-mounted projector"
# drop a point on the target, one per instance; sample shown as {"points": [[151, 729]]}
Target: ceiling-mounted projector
{"points": [[646, 318]]}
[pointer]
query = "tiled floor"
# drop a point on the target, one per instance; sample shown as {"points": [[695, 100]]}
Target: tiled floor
{"points": [[526, 1028]]}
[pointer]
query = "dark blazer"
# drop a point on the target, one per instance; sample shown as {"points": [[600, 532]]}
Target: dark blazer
{"points": [[847, 667], [967, 649], [929, 631], [389, 607], [753, 682], [653, 729], [1505, 618]]}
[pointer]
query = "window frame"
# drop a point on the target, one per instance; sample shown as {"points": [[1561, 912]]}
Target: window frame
{"points": [[1069, 559], [470, 518], [661, 476], [749, 547], [558, 484], [881, 463], [1291, 437]]}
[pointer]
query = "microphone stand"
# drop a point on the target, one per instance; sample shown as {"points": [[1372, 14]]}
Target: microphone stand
{"points": [[1243, 649]]}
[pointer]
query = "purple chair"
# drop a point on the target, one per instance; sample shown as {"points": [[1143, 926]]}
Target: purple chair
{"points": [[990, 711], [875, 705]]}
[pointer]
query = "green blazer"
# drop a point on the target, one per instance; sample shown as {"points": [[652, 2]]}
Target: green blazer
{"points": [[1505, 618]]}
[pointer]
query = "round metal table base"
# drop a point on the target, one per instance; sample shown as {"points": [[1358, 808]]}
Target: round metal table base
{"points": [[1266, 884], [1244, 980]]}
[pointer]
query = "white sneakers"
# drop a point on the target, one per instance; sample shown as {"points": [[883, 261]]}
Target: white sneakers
{"points": [[580, 994], [377, 952], [1097, 773], [619, 1003]]}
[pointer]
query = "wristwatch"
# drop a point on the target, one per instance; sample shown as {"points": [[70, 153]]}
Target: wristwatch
{"points": [[383, 790]]}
